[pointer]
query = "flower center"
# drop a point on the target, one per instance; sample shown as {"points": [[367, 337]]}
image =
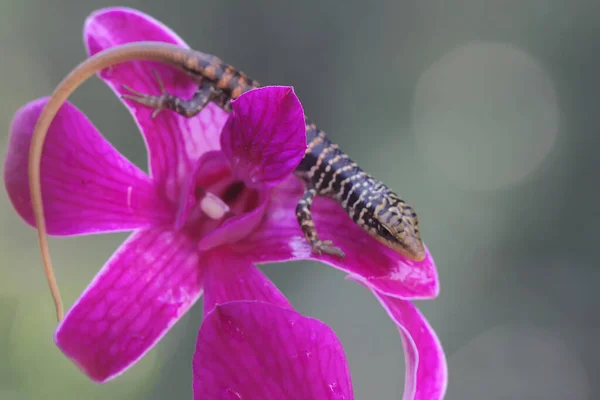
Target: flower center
{"points": [[217, 208]]}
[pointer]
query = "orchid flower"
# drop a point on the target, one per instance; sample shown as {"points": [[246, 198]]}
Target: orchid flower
{"points": [[199, 224]]}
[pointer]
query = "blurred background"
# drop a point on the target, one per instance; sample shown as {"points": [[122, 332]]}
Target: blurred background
{"points": [[483, 114]]}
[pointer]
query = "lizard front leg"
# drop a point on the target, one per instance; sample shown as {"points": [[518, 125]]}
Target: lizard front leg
{"points": [[304, 216], [188, 108]]}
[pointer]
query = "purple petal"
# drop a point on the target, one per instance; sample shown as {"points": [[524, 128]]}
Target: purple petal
{"points": [[87, 185], [259, 351], [280, 239], [147, 285], [265, 138], [235, 228], [426, 368], [229, 278], [174, 142]]}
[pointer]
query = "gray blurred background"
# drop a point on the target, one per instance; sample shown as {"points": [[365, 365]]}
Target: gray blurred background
{"points": [[483, 114]]}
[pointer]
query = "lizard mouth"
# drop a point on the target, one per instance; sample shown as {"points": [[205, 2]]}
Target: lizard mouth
{"points": [[412, 249]]}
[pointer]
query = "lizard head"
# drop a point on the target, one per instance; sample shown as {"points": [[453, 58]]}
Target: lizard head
{"points": [[398, 228]]}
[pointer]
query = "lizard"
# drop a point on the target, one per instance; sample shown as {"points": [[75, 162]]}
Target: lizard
{"points": [[325, 169]]}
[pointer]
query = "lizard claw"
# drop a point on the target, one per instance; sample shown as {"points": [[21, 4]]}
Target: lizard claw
{"points": [[326, 247], [159, 103]]}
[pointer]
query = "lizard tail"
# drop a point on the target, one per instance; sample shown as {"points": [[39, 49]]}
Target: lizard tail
{"points": [[152, 51]]}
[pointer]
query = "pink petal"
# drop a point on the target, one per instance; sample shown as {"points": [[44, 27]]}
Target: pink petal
{"points": [[230, 278], [235, 228], [280, 239], [265, 138], [87, 185], [174, 142], [259, 351], [426, 367], [147, 285]]}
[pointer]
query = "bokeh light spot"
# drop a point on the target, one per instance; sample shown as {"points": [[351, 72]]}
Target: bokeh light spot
{"points": [[485, 115]]}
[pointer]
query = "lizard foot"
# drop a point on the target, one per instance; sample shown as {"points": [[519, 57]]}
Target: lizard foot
{"points": [[326, 247], [158, 103]]}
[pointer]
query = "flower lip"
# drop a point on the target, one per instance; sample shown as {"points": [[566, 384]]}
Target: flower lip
{"points": [[215, 207], [239, 207]]}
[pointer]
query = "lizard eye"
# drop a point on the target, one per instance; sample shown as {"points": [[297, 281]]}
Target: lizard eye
{"points": [[391, 231]]}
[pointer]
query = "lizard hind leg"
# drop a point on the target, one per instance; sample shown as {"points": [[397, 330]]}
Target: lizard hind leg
{"points": [[187, 108], [304, 216]]}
